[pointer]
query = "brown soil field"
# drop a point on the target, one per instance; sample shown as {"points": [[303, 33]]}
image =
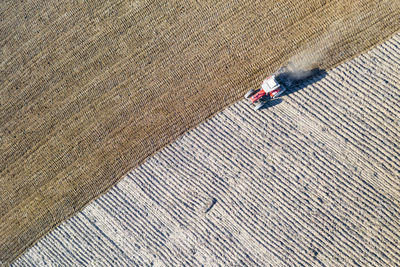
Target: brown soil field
{"points": [[311, 181], [90, 89]]}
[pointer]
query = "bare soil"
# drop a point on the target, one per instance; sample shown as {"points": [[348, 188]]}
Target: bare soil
{"points": [[310, 181], [89, 90]]}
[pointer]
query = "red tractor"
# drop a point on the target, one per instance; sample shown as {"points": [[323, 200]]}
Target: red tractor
{"points": [[271, 88]]}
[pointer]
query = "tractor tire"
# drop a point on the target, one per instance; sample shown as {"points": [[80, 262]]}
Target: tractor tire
{"points": [[249, 93], [259, 106]]}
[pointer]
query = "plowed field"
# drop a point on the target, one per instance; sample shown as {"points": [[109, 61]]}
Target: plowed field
{"points": [[90, 89], [312, 181]]}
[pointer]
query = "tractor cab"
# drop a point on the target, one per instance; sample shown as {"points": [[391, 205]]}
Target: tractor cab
{"points": [[271, 88], [270, 84]]}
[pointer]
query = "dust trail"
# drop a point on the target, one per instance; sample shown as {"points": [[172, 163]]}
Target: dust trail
{"points": [[312, 56], [326, 45]]}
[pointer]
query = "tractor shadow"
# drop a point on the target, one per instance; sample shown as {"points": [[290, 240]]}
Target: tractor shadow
{"points": [[296, 81], [272, 103]]}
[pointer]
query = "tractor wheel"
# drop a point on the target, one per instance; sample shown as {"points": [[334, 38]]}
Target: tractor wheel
{"points": [[249, 93], [259, 106]]}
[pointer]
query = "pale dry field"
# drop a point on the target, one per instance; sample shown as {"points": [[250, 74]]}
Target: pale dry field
{"points": [[313, 180], [90, 89]]}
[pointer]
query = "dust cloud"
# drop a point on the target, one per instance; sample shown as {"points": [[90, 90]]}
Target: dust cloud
{"points": [[312, 57], [326, 45]]}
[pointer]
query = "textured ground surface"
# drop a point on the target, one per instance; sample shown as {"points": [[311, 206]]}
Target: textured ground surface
{"points": [[312, 180], [89, 89]]}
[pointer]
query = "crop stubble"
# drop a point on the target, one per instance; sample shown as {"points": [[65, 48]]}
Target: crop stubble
{"points": [[312, 181], [90, 89]]}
